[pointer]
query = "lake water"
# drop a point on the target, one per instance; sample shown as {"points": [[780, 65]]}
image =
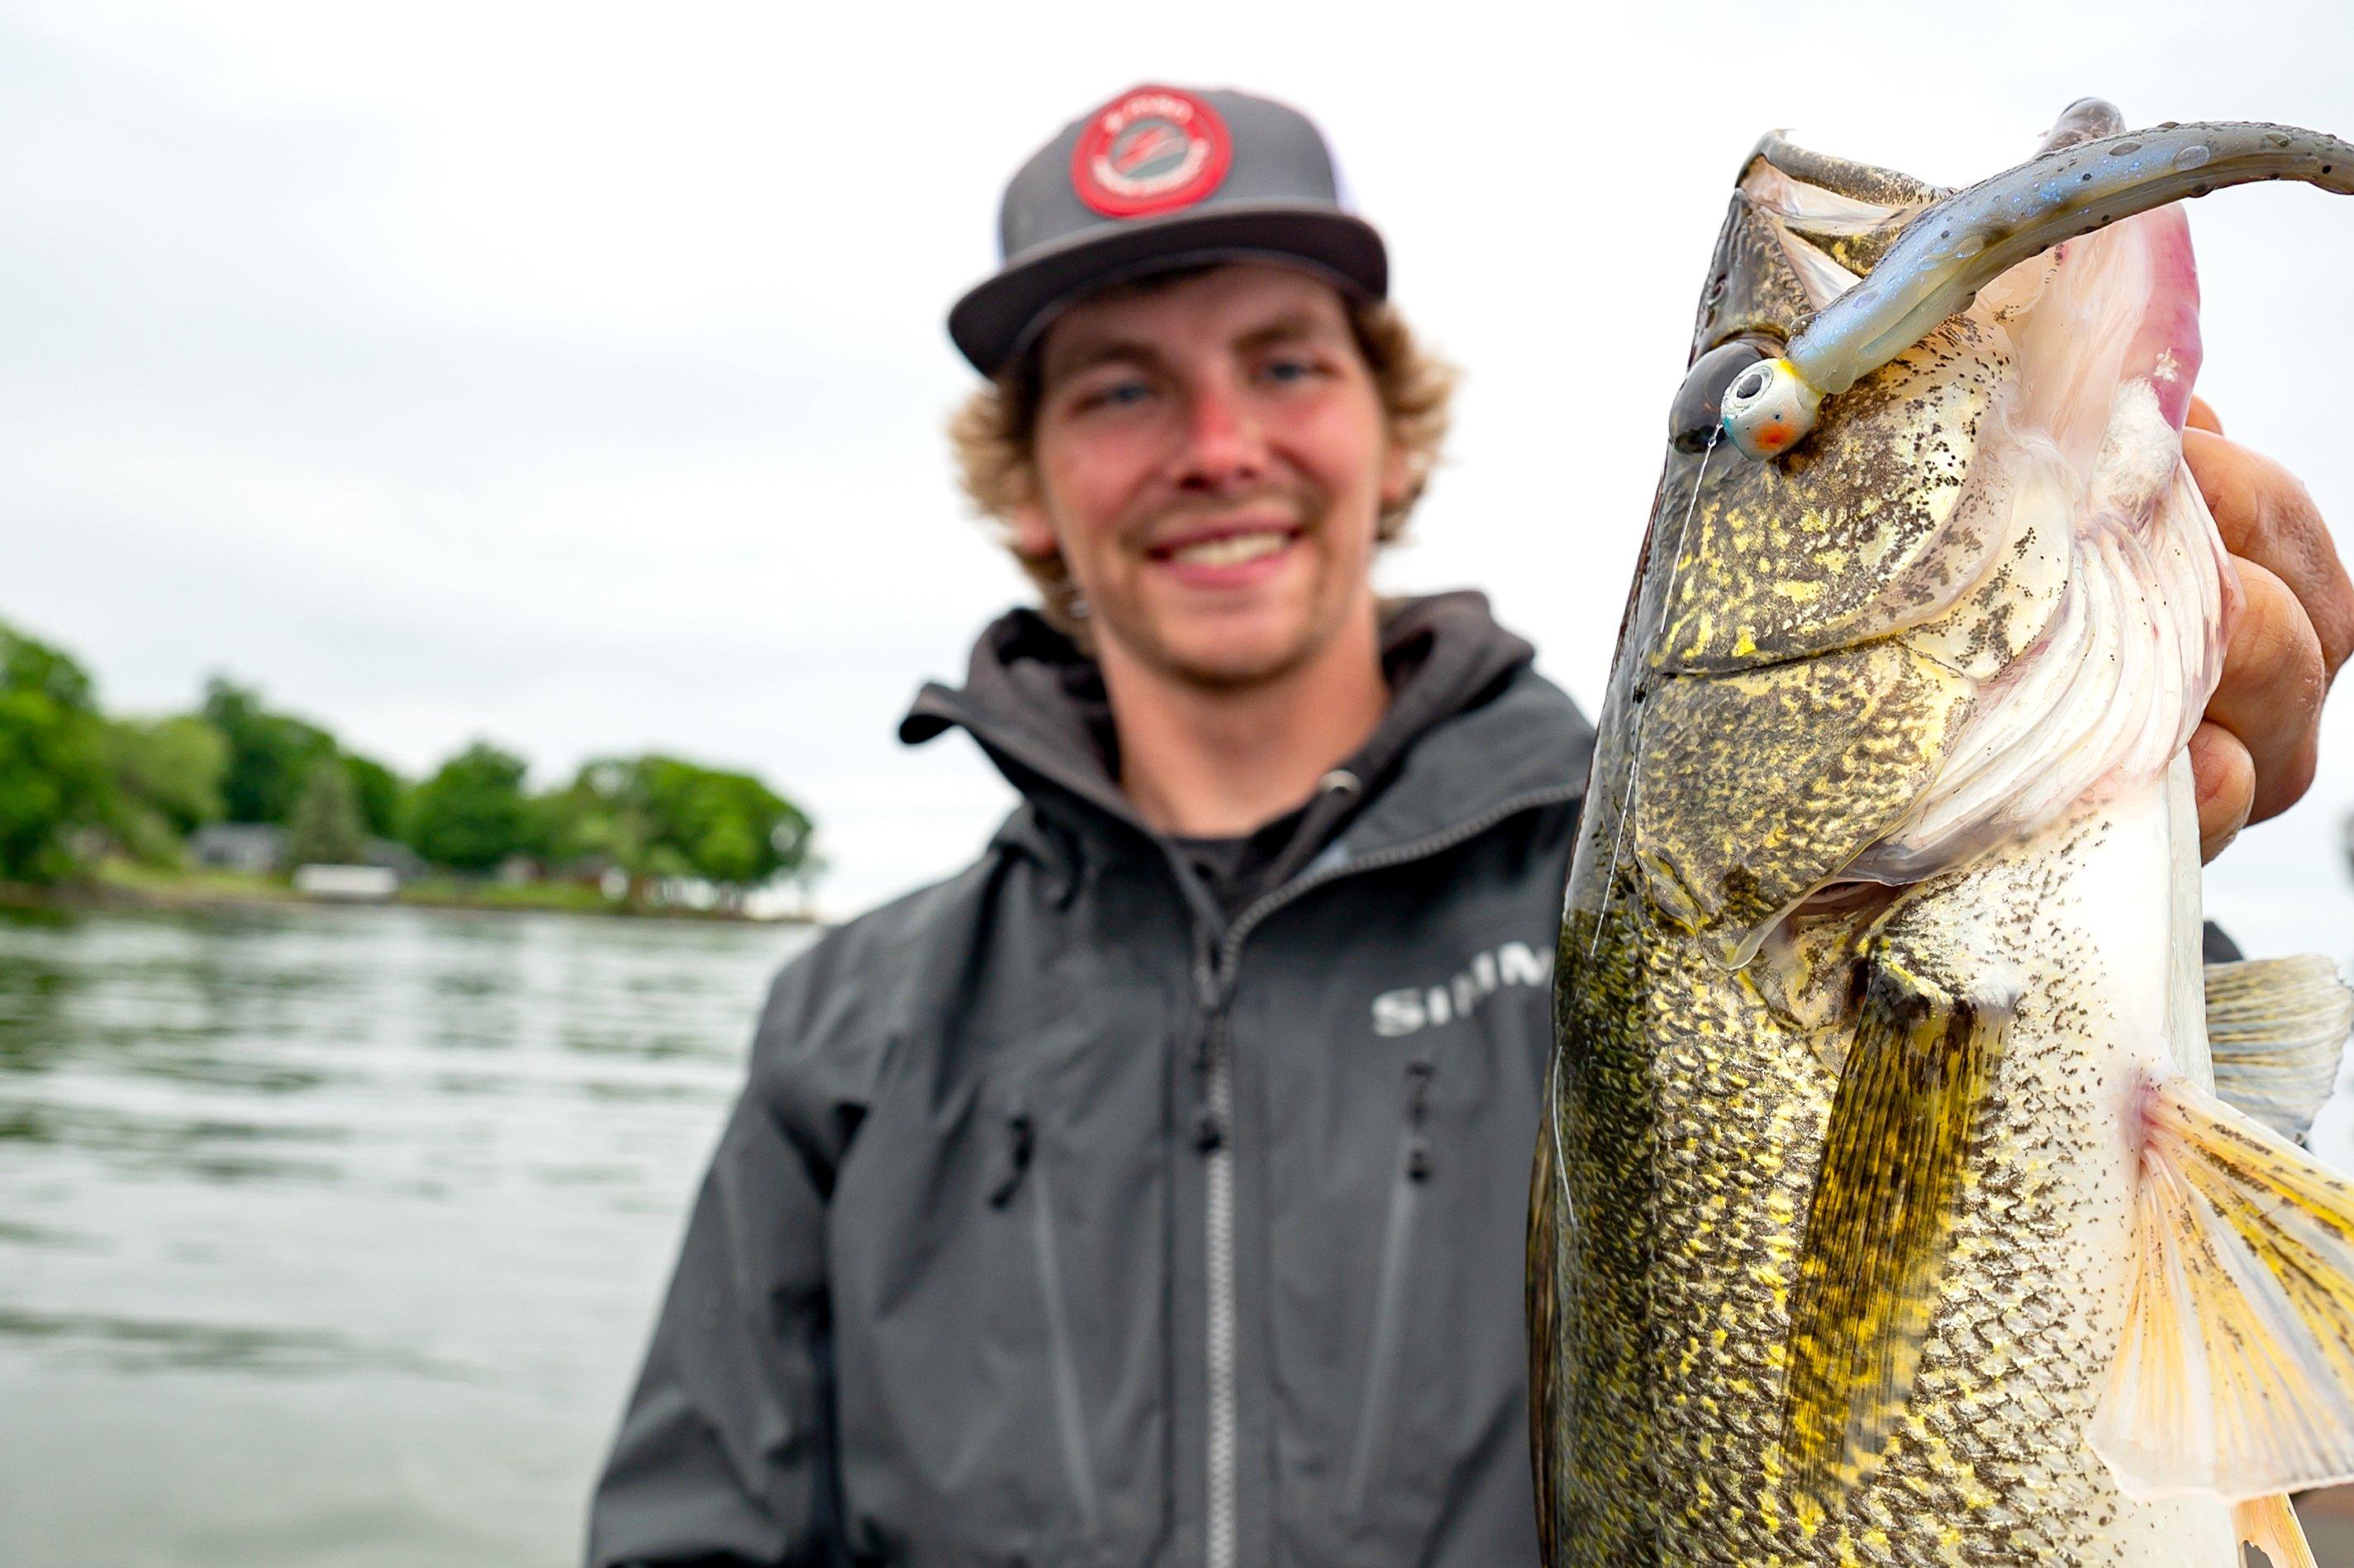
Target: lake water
{"points": [[331, 1237]]}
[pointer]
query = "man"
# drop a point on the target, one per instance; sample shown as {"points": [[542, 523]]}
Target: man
{"points": [[1153, 1191]]}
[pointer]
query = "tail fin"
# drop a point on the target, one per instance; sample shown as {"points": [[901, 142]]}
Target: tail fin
{"points": [[2236, 1378]]}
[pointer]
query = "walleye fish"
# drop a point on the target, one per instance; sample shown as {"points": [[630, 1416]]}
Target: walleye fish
{"points": [[1903, 1196]]}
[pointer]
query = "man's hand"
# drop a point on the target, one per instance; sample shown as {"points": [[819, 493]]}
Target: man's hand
{"points": [[2254, 752]]}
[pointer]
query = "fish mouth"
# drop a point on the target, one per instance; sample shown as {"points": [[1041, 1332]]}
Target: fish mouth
{"points": [[2084, 181], [1921, 263]]}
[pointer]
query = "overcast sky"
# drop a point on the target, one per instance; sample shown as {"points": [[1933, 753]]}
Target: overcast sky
{"points": [[572, 375]]}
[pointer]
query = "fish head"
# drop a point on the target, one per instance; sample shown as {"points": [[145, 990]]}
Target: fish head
{"points": [[1833, 620], [1801, 522], [1831, 479]]}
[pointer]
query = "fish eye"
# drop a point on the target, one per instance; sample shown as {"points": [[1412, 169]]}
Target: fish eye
{"points": [[1698, 409]]}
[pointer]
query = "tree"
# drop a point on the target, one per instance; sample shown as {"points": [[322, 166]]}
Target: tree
{"points": [[270, 755], [603, 815], [471, 813], [730, 827], [173, 765], [53, 771], [327, 829], [662, 816], [167, 777], [382, 794]]}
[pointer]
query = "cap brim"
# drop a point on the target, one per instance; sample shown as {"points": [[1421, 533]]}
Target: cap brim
{"points": [[998, 320]]}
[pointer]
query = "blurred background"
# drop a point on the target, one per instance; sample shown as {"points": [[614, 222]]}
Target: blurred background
{"points": [[498, 445]]}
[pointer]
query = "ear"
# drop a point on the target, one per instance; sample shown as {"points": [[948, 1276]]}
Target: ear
{"points": [[1032, 536], [1397, 474]]}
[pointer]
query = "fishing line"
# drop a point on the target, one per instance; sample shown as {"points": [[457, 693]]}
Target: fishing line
{"points": [[1618, 839], [1559, 1156], [1635, 728]]}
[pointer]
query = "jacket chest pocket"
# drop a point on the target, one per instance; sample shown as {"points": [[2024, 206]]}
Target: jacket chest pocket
{"points": [[1444, 1359], [1001, 1315], [1024, 1198], [1402, 1217]]}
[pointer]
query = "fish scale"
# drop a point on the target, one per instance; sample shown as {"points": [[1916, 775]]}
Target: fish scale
{"points": [[1880, 1055]]}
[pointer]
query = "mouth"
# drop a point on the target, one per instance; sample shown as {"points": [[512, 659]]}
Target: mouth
{"points": [[1224, 553]]}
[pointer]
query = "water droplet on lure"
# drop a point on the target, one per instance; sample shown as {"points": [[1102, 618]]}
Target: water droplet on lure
{"points": [[2192, 156], [1969, 245]]}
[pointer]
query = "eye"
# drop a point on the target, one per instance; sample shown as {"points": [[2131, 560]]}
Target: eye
{"points": [[1288, 370], [1122, 394], [1699, 407]]}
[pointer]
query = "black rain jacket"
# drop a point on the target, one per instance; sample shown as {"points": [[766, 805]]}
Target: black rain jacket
{"points": [[1068, 1217]]}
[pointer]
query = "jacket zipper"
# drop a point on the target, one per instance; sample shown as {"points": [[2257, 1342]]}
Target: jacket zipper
{"points": [[1215, 977], [1063, 1366], [1389, 1302], [1213, 1114]]}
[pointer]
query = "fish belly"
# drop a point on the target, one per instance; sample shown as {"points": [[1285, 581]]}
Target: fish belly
{"points": [[1717, 1105]]}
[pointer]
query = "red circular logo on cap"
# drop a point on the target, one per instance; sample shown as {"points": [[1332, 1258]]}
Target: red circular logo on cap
{"points": [[1154, 149]]}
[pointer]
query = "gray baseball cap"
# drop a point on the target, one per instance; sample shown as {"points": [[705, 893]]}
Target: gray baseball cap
{"points": [[1162, 178]]}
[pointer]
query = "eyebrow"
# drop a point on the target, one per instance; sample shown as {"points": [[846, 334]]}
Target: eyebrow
{"points": [[1292, 326], [1103, 351]]}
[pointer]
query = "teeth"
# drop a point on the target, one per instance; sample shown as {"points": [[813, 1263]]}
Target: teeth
{"points": [[1232, 550]]}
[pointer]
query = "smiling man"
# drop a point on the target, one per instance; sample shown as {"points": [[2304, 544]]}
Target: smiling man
{"points": [[1229, 591], [1153, 1191]]}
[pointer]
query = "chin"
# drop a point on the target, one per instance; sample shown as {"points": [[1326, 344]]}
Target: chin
{"points": [[1222, 647], [1233, 657]]}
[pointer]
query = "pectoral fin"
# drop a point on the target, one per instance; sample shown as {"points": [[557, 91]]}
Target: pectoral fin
{"points": [[2277, 1027], [2236, 1377], [1879, 1224]]}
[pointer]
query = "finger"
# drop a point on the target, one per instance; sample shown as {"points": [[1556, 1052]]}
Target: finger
{"points": [[2269, 697], [2201, 417], [2225, 780], [2265, 515]]}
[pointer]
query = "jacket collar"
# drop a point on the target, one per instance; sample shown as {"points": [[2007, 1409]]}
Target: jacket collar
{"points": [[1471, 727]]}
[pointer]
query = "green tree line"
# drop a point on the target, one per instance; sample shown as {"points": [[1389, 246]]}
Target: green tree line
{"points": [[77, 784]]}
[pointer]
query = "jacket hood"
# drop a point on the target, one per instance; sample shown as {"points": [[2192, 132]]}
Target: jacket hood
{"points": [[1036, 705]]}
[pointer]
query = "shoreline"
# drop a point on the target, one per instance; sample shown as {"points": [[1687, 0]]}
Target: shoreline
{"points": [[105, 894]]}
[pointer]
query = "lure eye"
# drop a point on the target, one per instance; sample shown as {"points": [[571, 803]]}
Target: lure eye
{"points": [[1769, 408], [1699, 408]]}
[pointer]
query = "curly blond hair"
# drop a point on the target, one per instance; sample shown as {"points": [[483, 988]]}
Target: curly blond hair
{"points": [[994, 431]]}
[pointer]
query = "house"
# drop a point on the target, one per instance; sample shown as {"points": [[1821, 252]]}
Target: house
{"points": [[255, 849]]}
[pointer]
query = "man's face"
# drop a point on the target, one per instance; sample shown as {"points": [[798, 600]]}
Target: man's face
{"points": [[1211, 461]]}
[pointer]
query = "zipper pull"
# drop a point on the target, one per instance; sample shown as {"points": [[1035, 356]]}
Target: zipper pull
{"points": [[1417, 1113], [1205, 973], [1208, 1134], [1024, 1143]]}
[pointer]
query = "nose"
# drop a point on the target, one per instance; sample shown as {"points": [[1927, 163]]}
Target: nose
{"points": [[1225, 444]]}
